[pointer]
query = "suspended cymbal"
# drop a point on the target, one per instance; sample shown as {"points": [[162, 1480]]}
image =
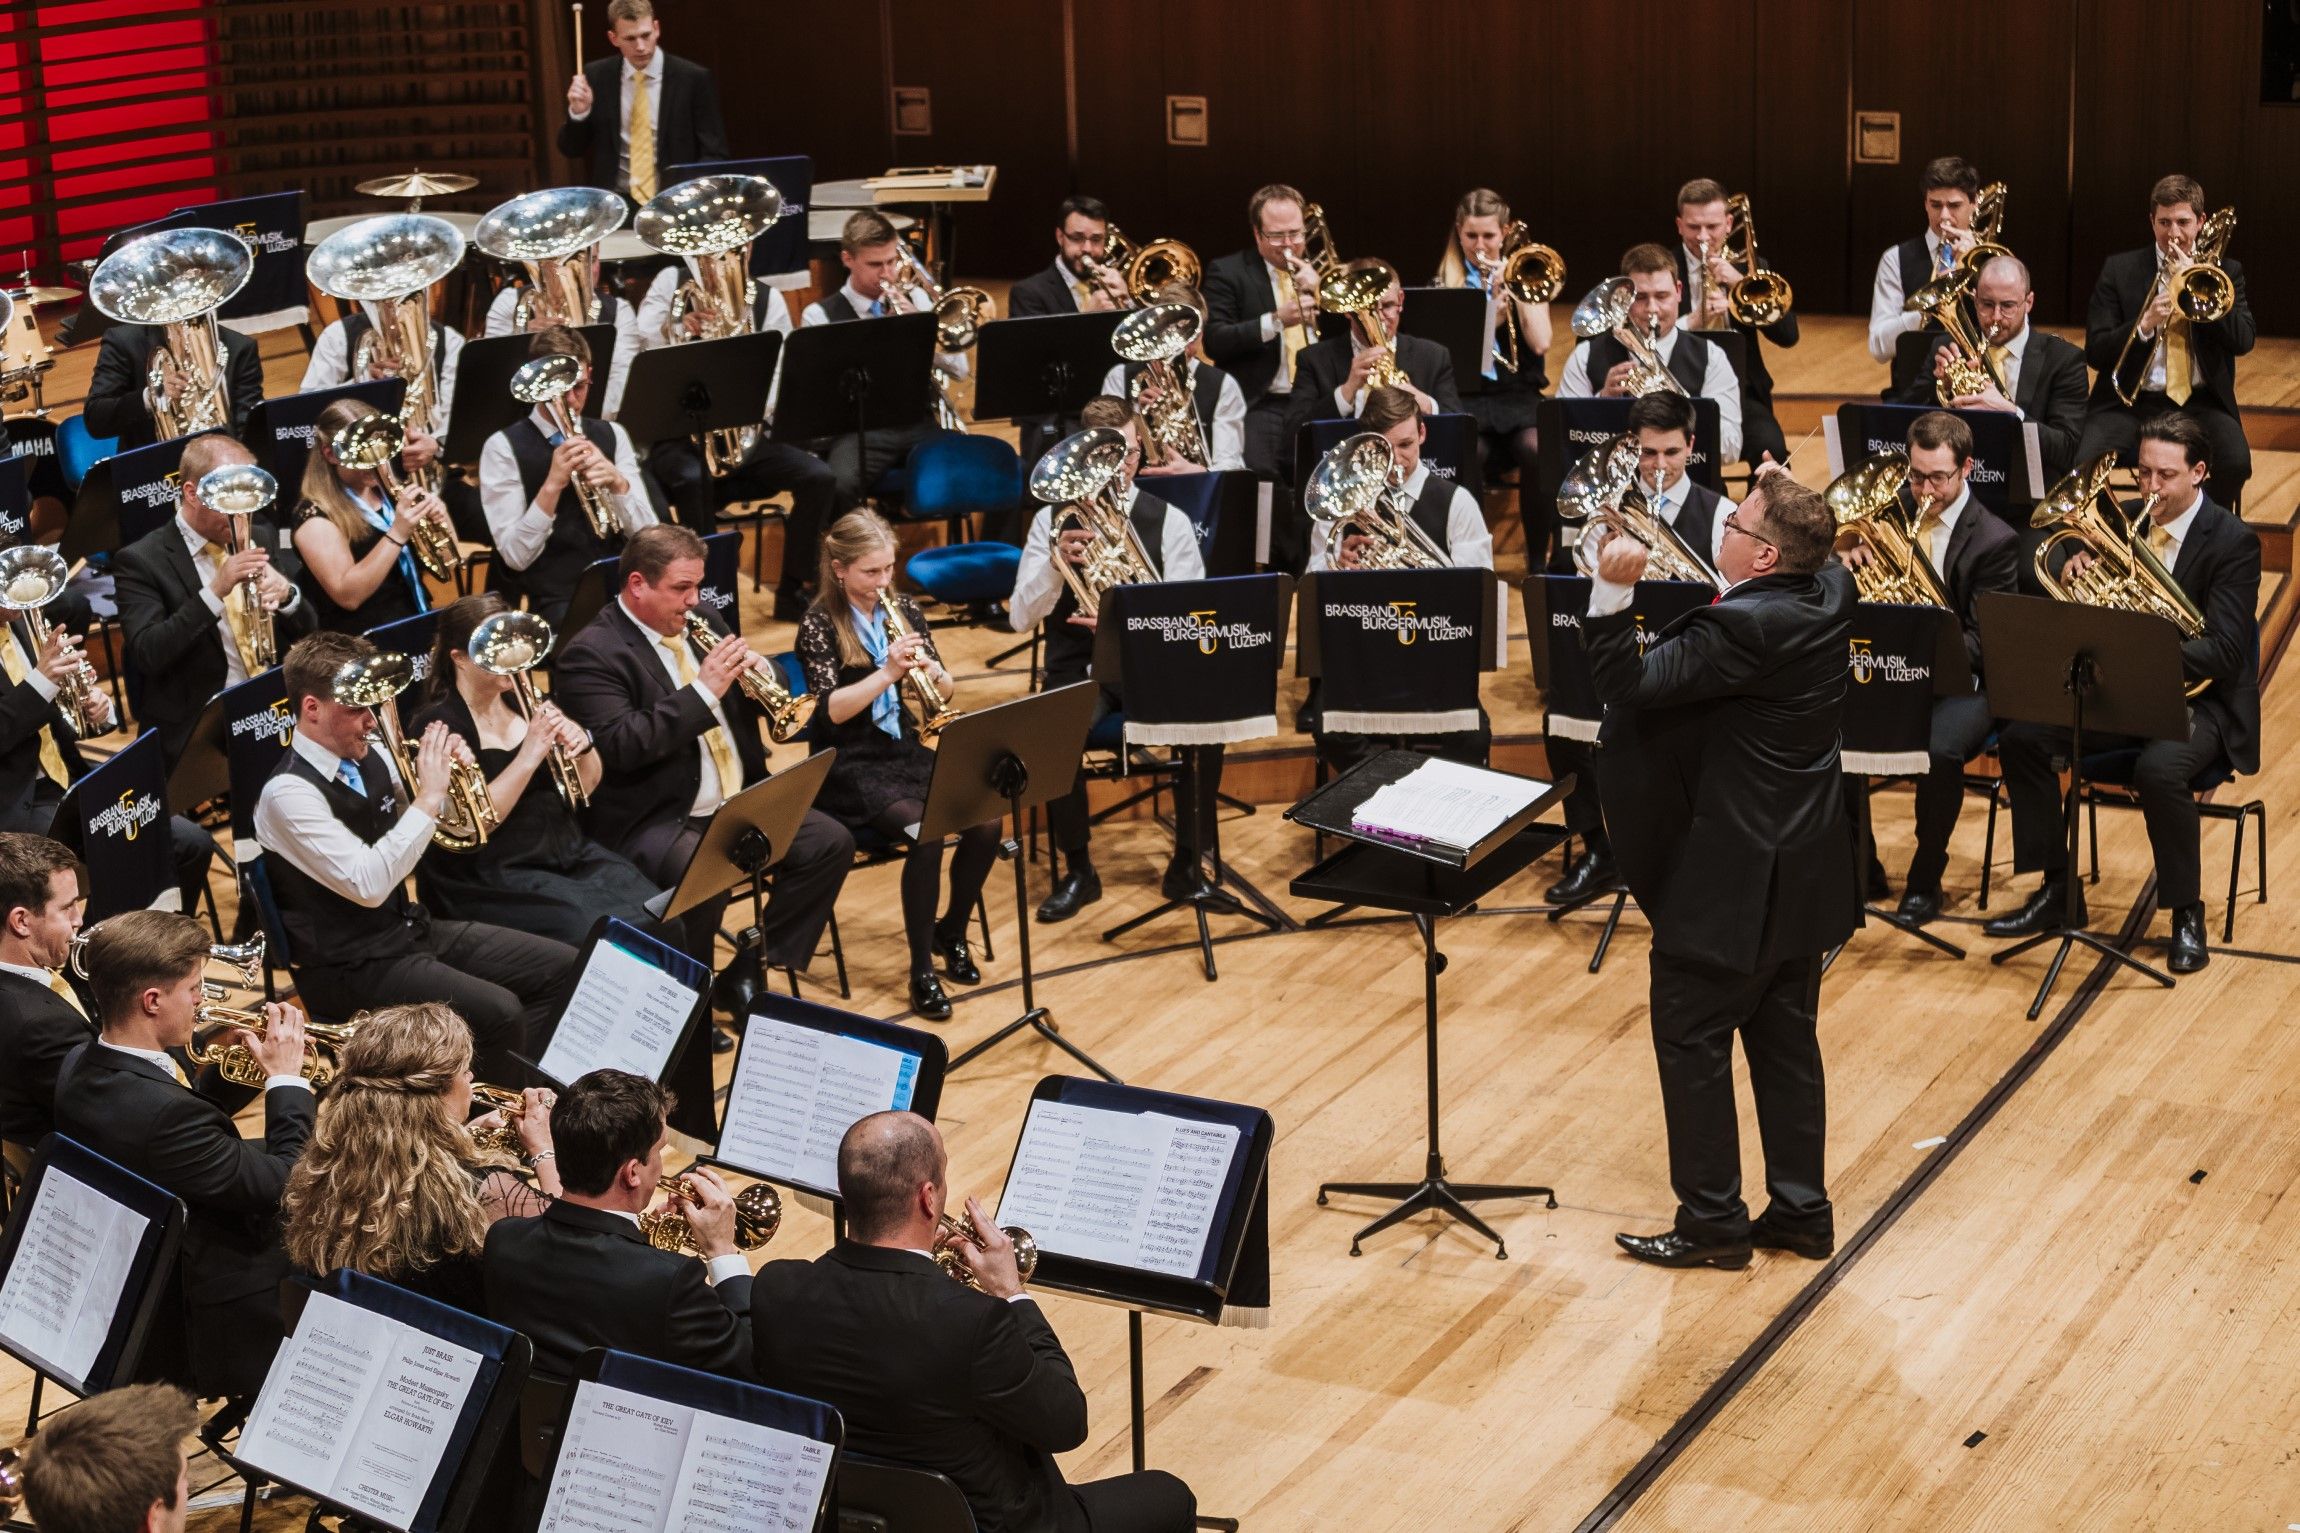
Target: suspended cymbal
{"points": [[41, 294], [418, 183]]}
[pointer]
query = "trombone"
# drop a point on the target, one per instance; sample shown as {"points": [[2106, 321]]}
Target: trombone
{"points": [[1080, 478], [236, 492], [1604, 310], [555, 235], [31, 576], [1354, 489], [387, 266], [1763, 295], [710, 223], [546, 381], [2202, 291], [373, 443], [177, 280], [1526, 272], [512, 644], [1144, 269], [758, 1214], [1160, 337], [375, 684]]}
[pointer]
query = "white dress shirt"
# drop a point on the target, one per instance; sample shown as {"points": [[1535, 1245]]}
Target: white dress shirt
{"points": [[330, 367], [294, 821], [1717, 383], [1227, 442], [653, 75], [521, 528], [167, 1062], [1072, 279], [1038, 585], [1279, 382], [655, 321], [34, 677], [2155, 379], [1888, 321], [951, 362], [196, 544], [710, 793], [1468, 543], [501, 312], [44, 978]]}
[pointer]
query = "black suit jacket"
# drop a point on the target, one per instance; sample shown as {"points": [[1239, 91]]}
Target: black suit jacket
{"points": [[115, 405], [2219, 567], [1238, 293], [130, 1111], [173, 643], [1756, 378], [933, 1373], [38, 1031], [1045, 291], [2049, 391], [572, 1278], [1324, 365], [688, 129], [1984, 555], [1717, 766], [25, 716], [2117, 299]]}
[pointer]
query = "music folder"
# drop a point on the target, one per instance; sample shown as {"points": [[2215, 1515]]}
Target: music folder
{"points": [[83, 1266], [483, 402], [637, 1006]]}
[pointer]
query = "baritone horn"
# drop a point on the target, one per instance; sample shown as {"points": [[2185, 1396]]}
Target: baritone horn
{"points": [[1160, 337], [2124, 574], [1080, 479], [2202, 291], [375, 684], [1358, 291], [237, 492], [1604, 310], [787, 711], [1354, 489], [1601, 491], [177, 280], [1866, 502], [961, 1227], [758, 1215], [387, 265], [374, 442], [710, 223], [512, 644]]}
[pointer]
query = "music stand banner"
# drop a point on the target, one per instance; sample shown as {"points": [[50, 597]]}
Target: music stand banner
{"points": [[412, 637], [15, 498], [1554, 608], [272, 225], [1198, 658], [1571, 427], [1400, 650], [118, 814], [722, 568], [782, 250], [281, 430], [257, 723], [2004, 472], [1898, 667]]}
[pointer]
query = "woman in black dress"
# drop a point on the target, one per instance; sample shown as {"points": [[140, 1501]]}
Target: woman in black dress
{"points": [[537, 871], [858, 671], [358, 569]]}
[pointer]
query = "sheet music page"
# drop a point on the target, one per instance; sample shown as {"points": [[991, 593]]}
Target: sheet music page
{"points": [[625, 1014], [1131, 1189], [396, 1453], [63, 1288], [799, 1089], [1447, 802], [741, 1476], [618, 1465]]}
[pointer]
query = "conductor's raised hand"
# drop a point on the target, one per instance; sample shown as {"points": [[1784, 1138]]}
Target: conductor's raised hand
{"points": [[1621, 561]]}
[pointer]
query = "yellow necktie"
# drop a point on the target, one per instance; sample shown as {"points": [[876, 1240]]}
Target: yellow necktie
{"points": [[723, 758], [1084, 290], [2160, 544], [63, 987], [1293, 337], [2000, 357], [2176, 359], [642, 142], [236, 615], [18, 667]]}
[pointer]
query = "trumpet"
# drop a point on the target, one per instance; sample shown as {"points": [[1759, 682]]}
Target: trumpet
{"points": [[387, 266], [959, 316], [1601, 490], [962, 1228], [1354, 489], [1866, 501], [237, 1063], [547, 381], [758, 1214], [372, 443], [2202, 291], [237, 491], [1160, 337], [711, 223], [934, 710], [1079, 477], [1604, 310], [787, 712], [555, 235], [2124, 574], [1358, 292], [1762, 296], [177, 279], [512, 644], [31, 576], [1526, 272], [375, 684], [512, 1105]]}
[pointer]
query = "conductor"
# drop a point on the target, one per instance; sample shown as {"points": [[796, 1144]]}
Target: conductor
{"points": [[1717, 767]]}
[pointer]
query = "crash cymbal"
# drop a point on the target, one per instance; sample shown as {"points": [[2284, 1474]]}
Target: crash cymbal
{"points": [[41, 294], [417, 183]]}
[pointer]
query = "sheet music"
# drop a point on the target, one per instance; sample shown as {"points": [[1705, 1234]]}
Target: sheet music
{"points": [[63, 1288], [1131, 1189], [798, 1090], [634, 1464], [1447, 803], [359, 1408], [625, 1014], [741, 1475]]}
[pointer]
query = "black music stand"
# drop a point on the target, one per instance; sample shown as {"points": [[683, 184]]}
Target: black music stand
{"points": [[699, 386], [2063, 663], [1047, 364], [1454, 317], [1426, 881], [483, 402], [855, 377], [747, 835], [1009, 759]]}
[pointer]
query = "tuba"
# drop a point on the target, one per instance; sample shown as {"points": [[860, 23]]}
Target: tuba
{"points": [[177, 279], [2202, 291], [1763, 295], [236, 492], [962, 1228], [959, 316], [1358, 291], [710, 223], [375, 684], [31, 576], [787, 712], [1600, 491], [1527, 272], [373, 443], [1866, 501], [1353, 489], [1160, 337], [2124, 574], [387, 265], [512, 644], [758, 1214], [1946, 299], [546, 381], [555, 235], [1604, 310], [1080, 478]]}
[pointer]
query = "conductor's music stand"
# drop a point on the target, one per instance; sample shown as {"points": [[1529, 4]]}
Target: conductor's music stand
{"points": [[1047, 364], [699, 386], [2063, 663], [1009, 759], [864, 375]]}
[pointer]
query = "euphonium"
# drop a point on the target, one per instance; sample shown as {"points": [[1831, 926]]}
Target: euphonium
{"points": [[1866, 501], [787, 712], [1762, 295], [2124, 574], [710, 223], [237, 1063], [1526, 272], [1358, 291], [1971, 369], [373, 443], [511, 1104], [934, 710], [546, 381], [31, 576], [2202, 292], [375, 684], [555, 235], [1353, 490], [387, 266], [512, 644], [1080, 479], [177, 279], [236, 492], [962, 1228], [1604, 310], [1160, 337], [1601, 491], [758, 1214]]}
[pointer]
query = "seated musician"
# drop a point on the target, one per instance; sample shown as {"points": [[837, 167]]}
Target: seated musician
{"points": [[343, 833], [769, 468], [676, 737], [527, 477], [1041, 595], [1514, 378], [334, 358], [1704, 222], [1261, 313], [1974, 552], [1332, 376], [43, 895], [125, 1095], [186, 630], [606, 309], [863, 673], [392, 1183], [582, 1274], [969, 1382], [1214, 396], [116, 406], [118, 1462], [2174, 363], [537, 870], [1662, 426], [1950, 186], [1449, 516], [2044, 375], [870, 250], [1601, 368], [2215, 559], [358, 571], [1080, 280]]}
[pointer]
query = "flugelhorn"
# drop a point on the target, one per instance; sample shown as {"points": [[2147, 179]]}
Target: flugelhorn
{"points": [[961, 1227], [1358, 291], [1354, 489], [512, 644], [1079, 478], [373, 443], [787, 711], [237, 1063], [1601, 491], [177, 279], [934, 710], [1160, 337], [546, 381], [2202, 291], [375, 684], [710, 223], [1866, 501], [387, 265], [237, 492], [31, 576], [555, 235], [1604, 310], [2124, 574], [758, 1214]]}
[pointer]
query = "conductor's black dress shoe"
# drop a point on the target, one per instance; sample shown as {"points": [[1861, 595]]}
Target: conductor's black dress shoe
{"points": [[1814, 1248], [1590, 875], [2188, 950], [1670, 1249]]}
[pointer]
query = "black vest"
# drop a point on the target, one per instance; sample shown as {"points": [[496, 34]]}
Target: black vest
{"points": [[1688, 361], [355, 329], [1070, 648], [325, 929], [1433, 511], [1205, 393], [572, 547], [836, 307], [1916, 270]]}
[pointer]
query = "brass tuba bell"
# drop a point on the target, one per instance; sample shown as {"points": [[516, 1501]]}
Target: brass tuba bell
{"points": [[710, 223], [387, 265], [177, 279], [554, 234], [1081, 479]]}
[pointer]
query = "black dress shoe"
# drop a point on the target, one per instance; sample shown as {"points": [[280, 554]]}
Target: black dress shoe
{"points": [[1920, 906], [1814, 1248], [957, 962], [1185, 879], [1670, 1249], [926, 997], [1080, 887], [2042, 913], [2188, 950], [1591, 873]]}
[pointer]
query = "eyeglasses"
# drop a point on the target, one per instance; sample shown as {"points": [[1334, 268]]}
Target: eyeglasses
{"points": [[1733, 524]]}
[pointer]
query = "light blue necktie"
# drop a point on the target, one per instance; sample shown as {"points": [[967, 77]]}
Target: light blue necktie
{"points": [[347, 773], [1476, 279], [886, 708], [383, 521], [877, 308]]}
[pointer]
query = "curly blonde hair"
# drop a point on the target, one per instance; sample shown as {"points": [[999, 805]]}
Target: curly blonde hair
{"points": [[385, 1186]]}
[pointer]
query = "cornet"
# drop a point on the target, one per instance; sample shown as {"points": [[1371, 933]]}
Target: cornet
{"points": [[177, 279], [758, 1214], [512, 1105], [787, 712], [236, 492], [237, 1063], [375, 684], [934, 710], [512, 644], [373, 443], [962, 1228], [547, 381], [31, 576]]}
